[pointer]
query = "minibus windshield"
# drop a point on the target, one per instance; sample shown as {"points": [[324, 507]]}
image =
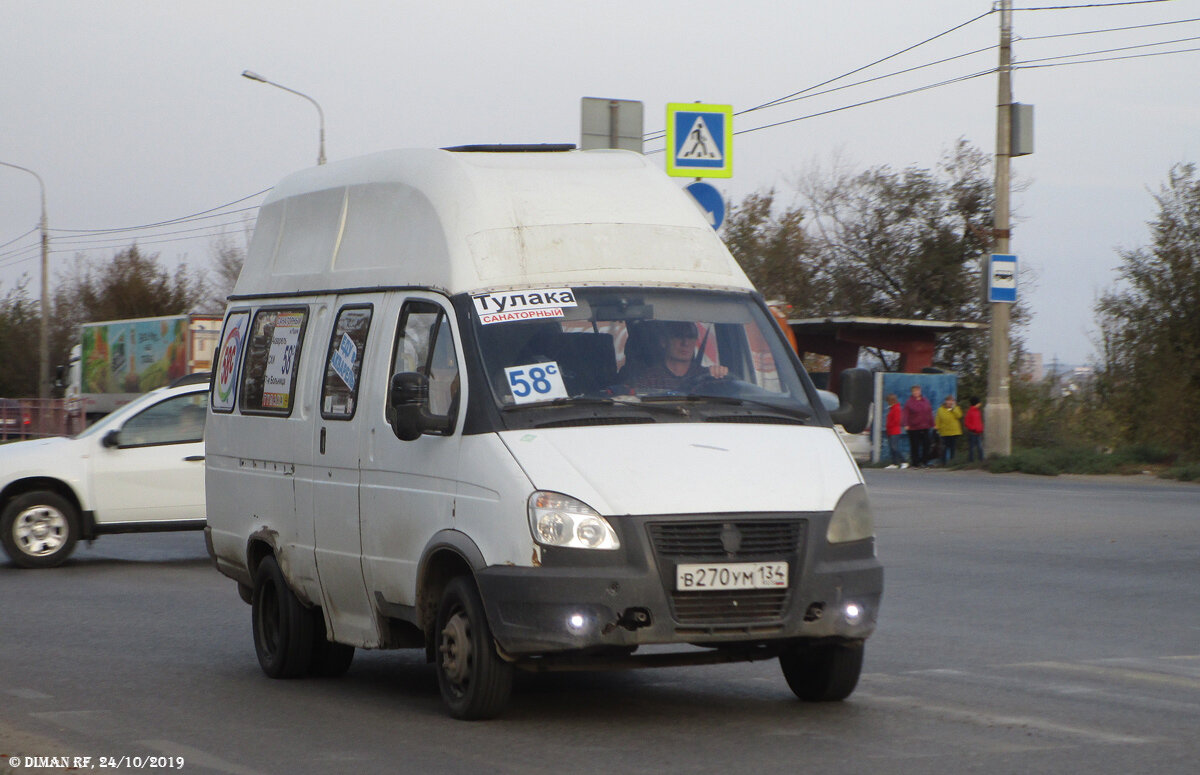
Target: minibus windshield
{"points": [[671, 353]]}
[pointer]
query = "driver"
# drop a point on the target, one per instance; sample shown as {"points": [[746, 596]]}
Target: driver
{"points": [[678, 362]]}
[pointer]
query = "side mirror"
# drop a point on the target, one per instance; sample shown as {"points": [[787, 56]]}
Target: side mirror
{"points": [[112, 439], [855, 394], [408, 407]]}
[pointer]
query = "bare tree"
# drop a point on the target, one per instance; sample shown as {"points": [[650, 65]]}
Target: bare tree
{"points": [[1150, 325], [228, 258]]}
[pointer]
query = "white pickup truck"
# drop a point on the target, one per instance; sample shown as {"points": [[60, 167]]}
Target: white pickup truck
{"points": [[140, 469]]}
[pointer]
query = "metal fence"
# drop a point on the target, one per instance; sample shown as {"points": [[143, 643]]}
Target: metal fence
{"points": [[33, 418]]}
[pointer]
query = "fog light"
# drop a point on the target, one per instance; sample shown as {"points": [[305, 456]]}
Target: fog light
{"points": [[853, 613], [576, 622]]}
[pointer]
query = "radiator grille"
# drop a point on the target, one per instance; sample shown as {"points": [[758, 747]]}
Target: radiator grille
{"points": [[707, 540], [728, 540], [729, 607]]}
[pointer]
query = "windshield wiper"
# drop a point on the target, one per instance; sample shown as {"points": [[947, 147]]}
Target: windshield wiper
{"points": [[631, 402], [796, 411]]}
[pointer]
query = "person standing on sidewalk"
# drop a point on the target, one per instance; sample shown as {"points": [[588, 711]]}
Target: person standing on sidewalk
{"points": [[973, 422], [894, 427], [948, 423], [918, 419]]}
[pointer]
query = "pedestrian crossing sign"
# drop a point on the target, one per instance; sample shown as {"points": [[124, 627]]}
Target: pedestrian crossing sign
{"points": [[699, 140]]}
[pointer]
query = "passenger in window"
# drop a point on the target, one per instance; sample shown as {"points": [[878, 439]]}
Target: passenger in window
{"points": [[674, 361]]}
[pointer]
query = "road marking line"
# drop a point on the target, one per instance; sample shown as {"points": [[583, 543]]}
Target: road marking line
{"points": [[194, 757], [991, 720], [1117, 672], [1069, 687]]}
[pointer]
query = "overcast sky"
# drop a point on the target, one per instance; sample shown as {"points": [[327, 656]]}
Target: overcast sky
{"points": [[134, 112]]}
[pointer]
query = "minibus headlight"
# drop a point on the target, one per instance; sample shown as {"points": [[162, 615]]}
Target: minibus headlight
{"points": [[852, 519], [559, 520]]}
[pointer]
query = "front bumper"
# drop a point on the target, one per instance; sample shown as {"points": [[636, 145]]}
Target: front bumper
{"points": [[587, 600]]}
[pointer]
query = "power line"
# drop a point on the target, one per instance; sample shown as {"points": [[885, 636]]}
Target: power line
{"points": [[869, 65], [173, 221], [82, 238], [84, 233], [883, 77], [1112, 50], [904, 93], [34, 252], [791, 97], [19, 236], [1029, 66], [1091, 5], [1025, 38], [216, 232], [14, 251]]}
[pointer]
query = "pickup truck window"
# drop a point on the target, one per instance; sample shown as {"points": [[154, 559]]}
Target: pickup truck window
{"points": [[178, 420]]}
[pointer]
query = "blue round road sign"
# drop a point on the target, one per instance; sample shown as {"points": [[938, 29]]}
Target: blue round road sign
{"points": [[710, 202]]}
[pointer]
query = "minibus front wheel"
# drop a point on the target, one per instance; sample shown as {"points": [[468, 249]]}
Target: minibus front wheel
{"points": [[475, 682], [823, 672]]}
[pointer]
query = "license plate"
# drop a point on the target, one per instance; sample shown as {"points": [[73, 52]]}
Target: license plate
{"points": [[700, 577]]}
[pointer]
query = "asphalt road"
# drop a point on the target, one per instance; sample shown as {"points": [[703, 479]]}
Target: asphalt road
{"points": [[1029, 625]]}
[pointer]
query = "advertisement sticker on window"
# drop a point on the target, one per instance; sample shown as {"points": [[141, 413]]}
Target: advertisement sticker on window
{"points": [[510, 306], [281, 358], [342, 360], [229, 359]]}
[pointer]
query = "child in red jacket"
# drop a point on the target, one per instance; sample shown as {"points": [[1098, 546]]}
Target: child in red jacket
{"points": [[894, 427], [973, 422]]}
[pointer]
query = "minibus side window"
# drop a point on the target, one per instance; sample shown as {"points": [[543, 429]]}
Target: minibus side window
{"points": [[425, 345], [273, 352], [343, 363]]}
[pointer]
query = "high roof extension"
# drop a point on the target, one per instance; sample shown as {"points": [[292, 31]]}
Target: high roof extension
{"points": [[476, 218]]}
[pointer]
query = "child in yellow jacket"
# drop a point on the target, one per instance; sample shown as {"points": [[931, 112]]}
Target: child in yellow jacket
{"points": [[948, 424]]}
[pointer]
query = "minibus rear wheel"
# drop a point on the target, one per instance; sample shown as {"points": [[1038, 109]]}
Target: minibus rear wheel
{"points": [[825, 672], [283, 627], [475, 682]]}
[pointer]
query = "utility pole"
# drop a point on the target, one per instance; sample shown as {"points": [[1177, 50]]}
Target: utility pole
{"points": [[997, 412]]}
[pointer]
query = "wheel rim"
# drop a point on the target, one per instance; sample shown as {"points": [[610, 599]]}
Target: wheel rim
{"points": [[455, 649], [40, 531]]}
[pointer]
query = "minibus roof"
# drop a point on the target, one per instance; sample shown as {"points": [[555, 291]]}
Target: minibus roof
{"points": [[471, 220]]}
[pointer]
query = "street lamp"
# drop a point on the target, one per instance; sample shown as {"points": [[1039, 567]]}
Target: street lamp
{"points": [[43, 329], [253, 76]]}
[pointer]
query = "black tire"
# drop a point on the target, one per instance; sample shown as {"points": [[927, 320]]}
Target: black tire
{"points": [[474, 680], [826, 672], [39, 529], [283, 627], [329, 659]]}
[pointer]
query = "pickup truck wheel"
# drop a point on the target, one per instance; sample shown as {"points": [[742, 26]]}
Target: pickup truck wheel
{"points": [[283, 627], [39, 529], [475, 682], [824, 672]]}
